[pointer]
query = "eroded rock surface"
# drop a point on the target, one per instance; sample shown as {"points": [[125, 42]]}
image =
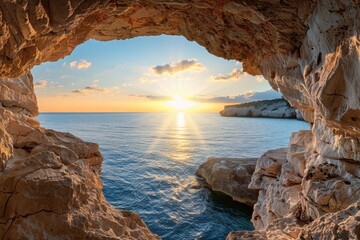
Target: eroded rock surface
{"points": [[50, 186], [305, 190], [276, 108], [309, 50], [37, 31], [230, 176]]}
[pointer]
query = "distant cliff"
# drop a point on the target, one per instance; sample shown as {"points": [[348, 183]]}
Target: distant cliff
{"points": [[276, 108]]}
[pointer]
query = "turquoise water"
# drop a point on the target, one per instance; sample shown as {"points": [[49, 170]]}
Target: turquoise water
{"points": [[150, 161]]}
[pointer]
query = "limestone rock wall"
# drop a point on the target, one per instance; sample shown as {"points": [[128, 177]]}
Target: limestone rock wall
{"points": [[309, 50], [306, 190], [276, 108], [38, 31], [50, 186]]}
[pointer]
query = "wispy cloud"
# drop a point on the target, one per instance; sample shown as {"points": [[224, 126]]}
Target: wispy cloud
{"points": [[247, 96], [145, 80], [55, 85], [260, 79], [181, 66], [234, 75], [81, 64], [97, 90], [158, 98], [41, 84]]}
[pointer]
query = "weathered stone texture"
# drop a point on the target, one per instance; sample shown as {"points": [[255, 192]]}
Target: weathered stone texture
{"points": [[309, 50], [230, 176], [50, 186]]}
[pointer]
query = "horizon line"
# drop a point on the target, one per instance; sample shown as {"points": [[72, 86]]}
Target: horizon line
{"points": [[139, 112]]}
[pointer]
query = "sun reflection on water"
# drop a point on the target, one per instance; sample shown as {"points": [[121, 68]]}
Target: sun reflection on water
{"points": [[180, 142], [179, 130], [180, 119]]}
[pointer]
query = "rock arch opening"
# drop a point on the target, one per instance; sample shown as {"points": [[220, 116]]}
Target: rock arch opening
{"points": [[160, 155], [280, 40]]}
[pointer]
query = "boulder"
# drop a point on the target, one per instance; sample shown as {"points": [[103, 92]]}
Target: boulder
{"points": [[230, 176]]}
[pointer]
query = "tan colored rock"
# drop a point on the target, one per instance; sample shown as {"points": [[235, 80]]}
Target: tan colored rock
{"points": [[250, 235], [343, 224], [230, 176], [47, 199], [245, 31], [308, 187], [50, 186], [19, 92], [278, 182], [309, 50], [268, 168]]}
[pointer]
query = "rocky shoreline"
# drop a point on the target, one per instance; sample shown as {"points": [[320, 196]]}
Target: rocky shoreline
{"points": [[277, 178], [276, 108]]}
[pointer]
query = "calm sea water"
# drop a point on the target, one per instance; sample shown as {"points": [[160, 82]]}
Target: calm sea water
{"points": [[150, 161]]}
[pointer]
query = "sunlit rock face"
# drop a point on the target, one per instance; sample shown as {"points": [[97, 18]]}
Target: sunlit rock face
{"points": [[276, 108], [50, 186], [38, 31], [230, 176], [309, 50]]}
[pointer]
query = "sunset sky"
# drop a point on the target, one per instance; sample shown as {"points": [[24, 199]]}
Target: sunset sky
{"points": [[141, 75]]}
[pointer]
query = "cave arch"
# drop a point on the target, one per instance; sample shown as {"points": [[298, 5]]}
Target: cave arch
{"points": [[37, 31], [280, 39]]}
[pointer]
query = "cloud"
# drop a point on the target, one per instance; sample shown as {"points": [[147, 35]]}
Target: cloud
{"points": [[154, 97], [96, 90], [81, 64], [248, 96], [145, 80], [55, 85], [64, 64], [88, 89], [77, 91], [181, 66], [126, 84], [234, 75], [95, 81], [260, 79], [73, 64], [158, 98], [41, 84]]}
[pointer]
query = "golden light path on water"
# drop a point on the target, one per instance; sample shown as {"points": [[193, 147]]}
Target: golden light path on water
{"points": [[182, 132], [176, 128]]}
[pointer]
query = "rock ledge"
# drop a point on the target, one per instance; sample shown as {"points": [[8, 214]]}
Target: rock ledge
{"points": [[231, 176]]}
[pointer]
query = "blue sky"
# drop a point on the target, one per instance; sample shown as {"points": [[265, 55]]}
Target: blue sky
{"points": [[127, 71]]}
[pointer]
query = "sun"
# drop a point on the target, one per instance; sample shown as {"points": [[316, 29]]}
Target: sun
{"points": [[180, 104]]}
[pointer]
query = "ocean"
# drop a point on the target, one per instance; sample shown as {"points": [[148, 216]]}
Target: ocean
{"points": [[150, 160]]}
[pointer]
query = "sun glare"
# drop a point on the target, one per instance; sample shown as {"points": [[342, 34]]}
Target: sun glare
{"points": [[180, 104]]}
